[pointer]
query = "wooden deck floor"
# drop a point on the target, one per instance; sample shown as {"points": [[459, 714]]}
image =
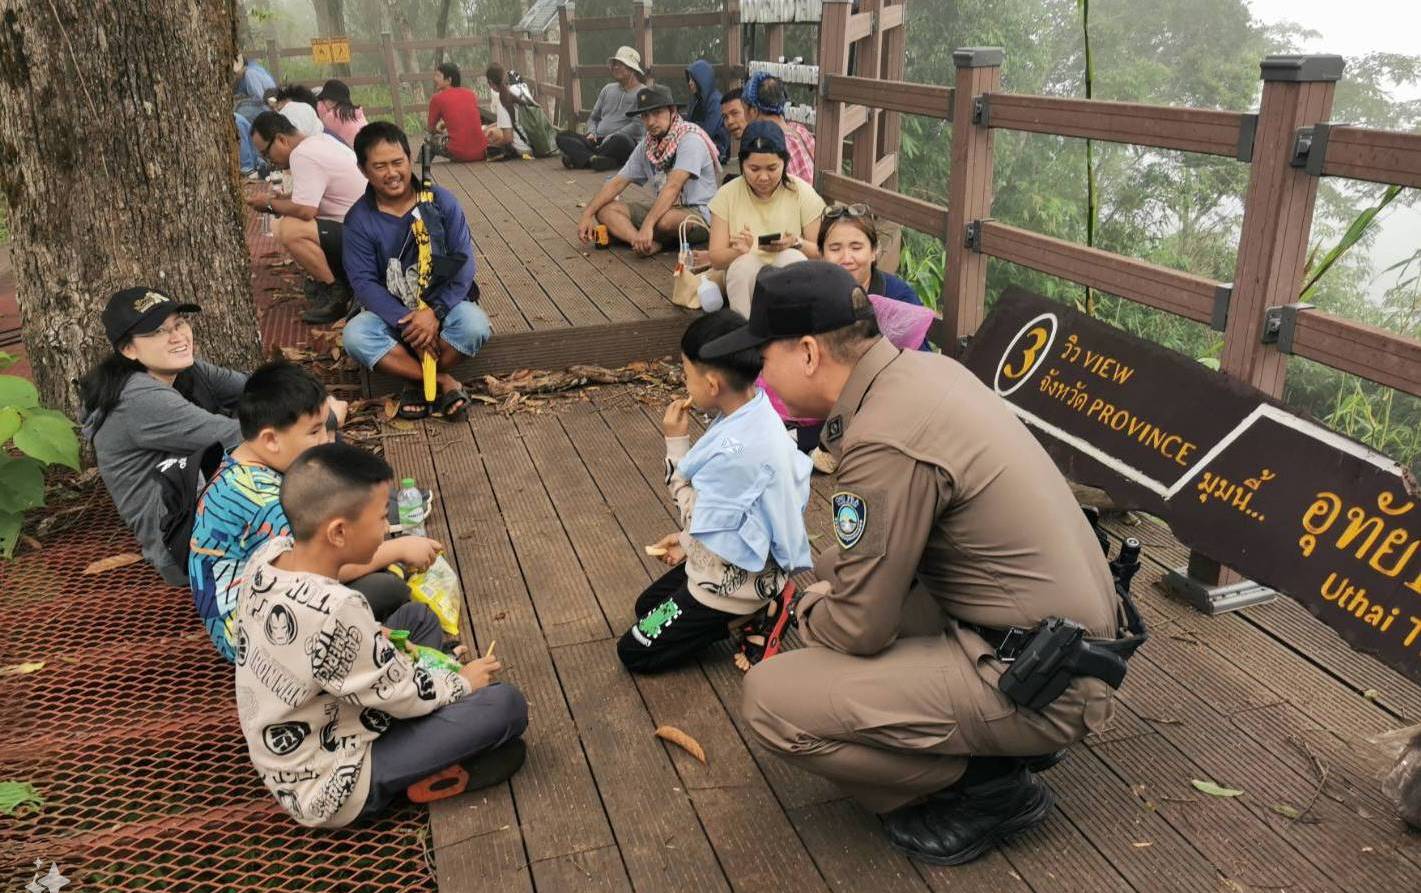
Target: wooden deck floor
{"points": [[546, 514]]}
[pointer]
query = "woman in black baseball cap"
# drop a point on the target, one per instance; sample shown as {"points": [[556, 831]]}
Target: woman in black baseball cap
{"points": [[153, 400]]}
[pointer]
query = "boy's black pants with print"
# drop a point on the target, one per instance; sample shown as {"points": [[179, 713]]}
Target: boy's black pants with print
{"points": [[412, 749], [672, 627]]}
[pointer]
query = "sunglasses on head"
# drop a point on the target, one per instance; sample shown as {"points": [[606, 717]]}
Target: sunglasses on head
{"points": [[840, 210]]}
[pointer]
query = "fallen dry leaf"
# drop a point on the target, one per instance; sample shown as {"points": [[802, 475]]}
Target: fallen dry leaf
{"points": [[31, 543], [1371, 694], [104, 565], [683, 741], [1141, 844], [1287, 811], [402, 425], [1214, 790], [28, 667], [391, 408]]}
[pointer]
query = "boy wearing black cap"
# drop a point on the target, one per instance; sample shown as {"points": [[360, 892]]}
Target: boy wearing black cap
{"points": [[680, 162], [956, 537]]}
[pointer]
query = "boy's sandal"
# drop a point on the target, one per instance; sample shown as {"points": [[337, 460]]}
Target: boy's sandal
{"points": [[762, 636], [481, 771], [413, 406], [451, 405]]}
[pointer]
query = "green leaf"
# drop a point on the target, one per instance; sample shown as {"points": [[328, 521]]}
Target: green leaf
{"points": [[21, 485], [9, 532], [7, 360], [16, 794], [9, 423], [50, 438], [17, 392], [1213, 790], [1284, 809], [1210, 363]]}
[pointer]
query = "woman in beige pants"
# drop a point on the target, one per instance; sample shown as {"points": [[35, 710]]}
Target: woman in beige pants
{"points": [[764, 217]]}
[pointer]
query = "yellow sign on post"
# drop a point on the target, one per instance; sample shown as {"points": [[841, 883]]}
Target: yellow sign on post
{"points": [[321, 50], [340, 50]]}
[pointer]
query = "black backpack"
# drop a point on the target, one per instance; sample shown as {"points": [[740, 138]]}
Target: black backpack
{"points": [[180, 482]]}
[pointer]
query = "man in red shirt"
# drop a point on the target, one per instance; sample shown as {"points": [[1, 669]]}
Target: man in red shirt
{"points": [[455, 128]]}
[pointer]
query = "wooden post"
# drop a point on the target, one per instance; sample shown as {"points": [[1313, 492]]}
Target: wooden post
{"points": [[866, 65], [730, 21], [775, 42], [642, 34], [273, 60], [529, 56], [392, 77], [969, 192], [1277, 216], [833, 59], [567, 65], [890, 124], [1272, 253]]}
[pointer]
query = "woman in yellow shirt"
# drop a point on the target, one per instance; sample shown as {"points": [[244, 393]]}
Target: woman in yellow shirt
{"points": [[765, 217]]}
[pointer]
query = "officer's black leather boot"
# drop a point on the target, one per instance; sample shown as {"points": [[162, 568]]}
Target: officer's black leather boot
{"points": [[965, 821]]}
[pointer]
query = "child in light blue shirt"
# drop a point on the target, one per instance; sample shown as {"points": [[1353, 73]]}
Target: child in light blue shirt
{"points": [[741, 492]]}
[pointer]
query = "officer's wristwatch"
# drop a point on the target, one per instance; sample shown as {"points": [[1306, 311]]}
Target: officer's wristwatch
{"points": [[440, 311]]}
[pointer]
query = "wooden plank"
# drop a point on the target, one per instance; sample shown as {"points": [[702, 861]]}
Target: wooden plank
{"points": [[1379, 156], [618, 264], [1269, 776], [674, 21], [833, 60], [660, 838], [860, 25], [490, 223], [558, 248], [559, 809], [1360, 349], [1205, 131], [928, 100], [563, 290], [851, 119], [646, 286], [599, 869], [752, 840], [851, 850], [1113, 819], [1150, 284], [602, 23], [910, 212], [476, 840]]}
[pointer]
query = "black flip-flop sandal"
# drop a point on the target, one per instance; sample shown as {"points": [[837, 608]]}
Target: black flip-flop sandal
{"points": [[769, 628], [413, 406], [458, 399]]}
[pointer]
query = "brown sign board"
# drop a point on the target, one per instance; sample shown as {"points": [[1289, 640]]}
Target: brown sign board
{"points": [[1240, 478]]}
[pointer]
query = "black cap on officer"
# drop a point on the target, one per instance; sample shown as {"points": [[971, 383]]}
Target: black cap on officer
{"points": [[139, 311], [807, 298]]}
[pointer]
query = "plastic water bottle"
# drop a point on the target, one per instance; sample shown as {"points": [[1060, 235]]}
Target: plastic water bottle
{"points": [[711, 298], [411, 505]]}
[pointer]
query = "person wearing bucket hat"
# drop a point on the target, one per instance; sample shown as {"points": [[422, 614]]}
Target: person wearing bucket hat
{"points": [[956, 536], [613, 128], [678, 160], [152, 400]]}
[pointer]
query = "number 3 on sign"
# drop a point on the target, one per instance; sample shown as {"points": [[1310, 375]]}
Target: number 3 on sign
{"points": [[1027, 350]]}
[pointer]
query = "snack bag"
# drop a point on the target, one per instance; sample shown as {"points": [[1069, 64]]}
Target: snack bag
{"points": [[429, 658], [1402, 783], [438, 588]]}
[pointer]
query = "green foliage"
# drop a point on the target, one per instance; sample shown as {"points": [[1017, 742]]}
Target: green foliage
{"points": [[1175, 209], [42, 437]]}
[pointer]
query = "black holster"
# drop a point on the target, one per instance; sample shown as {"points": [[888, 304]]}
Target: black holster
{"points": [[1056, 652]]}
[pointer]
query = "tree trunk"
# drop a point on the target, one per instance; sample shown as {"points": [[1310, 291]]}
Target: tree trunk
{"points": [[401, 28], [330, 22], [121, 169], [441, 30]]}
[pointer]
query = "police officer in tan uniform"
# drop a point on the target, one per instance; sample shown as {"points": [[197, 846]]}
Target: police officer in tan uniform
{"points": [[957, 537]]}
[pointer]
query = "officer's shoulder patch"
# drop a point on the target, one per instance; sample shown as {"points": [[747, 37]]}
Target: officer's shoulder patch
{"points": [[850, 518], [834, 429]]}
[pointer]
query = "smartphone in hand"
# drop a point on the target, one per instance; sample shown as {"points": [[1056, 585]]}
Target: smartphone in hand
{"points": [[770, 238]]}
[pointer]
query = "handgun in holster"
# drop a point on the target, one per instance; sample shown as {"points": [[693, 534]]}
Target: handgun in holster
{"points": [[1056, 652]]}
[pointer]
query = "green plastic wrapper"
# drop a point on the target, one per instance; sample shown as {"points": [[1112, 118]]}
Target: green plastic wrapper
{"points": [[429, 658]]}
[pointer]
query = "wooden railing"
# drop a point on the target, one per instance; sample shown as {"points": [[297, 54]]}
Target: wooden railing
{"points": [[1287, 144], [385, 50], [556, 67]]}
